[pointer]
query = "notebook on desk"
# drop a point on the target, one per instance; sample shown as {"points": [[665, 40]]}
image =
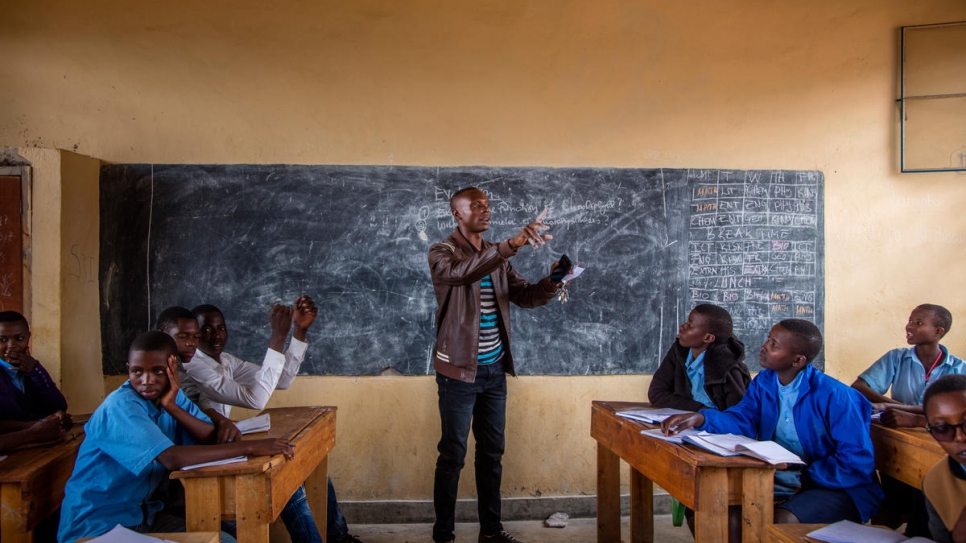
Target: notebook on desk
{"points": [[731, 445]]}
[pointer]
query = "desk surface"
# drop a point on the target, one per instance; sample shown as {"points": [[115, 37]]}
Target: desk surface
{"points": [[704, 481], [906, 454], [32, 484], [254, 492], [790, 533], [287, 422]]}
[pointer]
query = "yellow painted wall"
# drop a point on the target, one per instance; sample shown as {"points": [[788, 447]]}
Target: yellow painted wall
{"points": [[651, 83], [63, 312]]}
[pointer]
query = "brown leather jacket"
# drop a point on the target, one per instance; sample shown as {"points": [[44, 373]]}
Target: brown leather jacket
{"points": [[457, 268]]}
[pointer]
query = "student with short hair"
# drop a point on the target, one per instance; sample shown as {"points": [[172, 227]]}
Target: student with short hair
{"points": [[704, 368], [945, 484], [182, 326], [823, 421], [907, 371], [27, 392], [141, 432], [229, 381]]}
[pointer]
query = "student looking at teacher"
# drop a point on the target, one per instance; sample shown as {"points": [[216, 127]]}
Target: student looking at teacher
{"points": [[908, 371], [141, 432], [821, 420], [475, 283], [704, 368], [945, 484]]}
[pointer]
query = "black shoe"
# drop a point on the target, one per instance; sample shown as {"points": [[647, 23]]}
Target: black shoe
{"points": [[349, 538], [502, 537]]}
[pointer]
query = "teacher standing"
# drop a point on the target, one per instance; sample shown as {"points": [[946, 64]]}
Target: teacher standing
{"points": [[475, 284]]}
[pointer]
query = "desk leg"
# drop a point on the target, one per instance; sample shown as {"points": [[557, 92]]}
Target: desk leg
{"points": [[202, 504], [608, 496], [757, 503], [317, 491], [642, 508], [11, 521], [251, 512], [711, 507]]}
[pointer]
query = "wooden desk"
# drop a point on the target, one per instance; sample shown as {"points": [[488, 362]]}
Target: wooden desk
{"points": [[790, 533], [254, 492], [906, 454], [32, 484], [703, 481]]}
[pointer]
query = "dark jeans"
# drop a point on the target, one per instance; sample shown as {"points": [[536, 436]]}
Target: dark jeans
{"points": [[482, 405]]}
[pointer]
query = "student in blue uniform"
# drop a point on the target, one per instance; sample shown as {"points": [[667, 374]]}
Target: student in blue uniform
{"points": [[823, 421], [909, 371], [141, 432]]}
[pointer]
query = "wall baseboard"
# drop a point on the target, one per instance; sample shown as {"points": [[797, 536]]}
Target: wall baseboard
{"points": [[421, 512]]}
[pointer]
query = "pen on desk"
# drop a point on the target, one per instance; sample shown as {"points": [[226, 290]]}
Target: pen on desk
{"points": [[674, 429]]}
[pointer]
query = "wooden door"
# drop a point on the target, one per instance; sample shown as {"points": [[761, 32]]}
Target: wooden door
{"points": [[11, 245]]}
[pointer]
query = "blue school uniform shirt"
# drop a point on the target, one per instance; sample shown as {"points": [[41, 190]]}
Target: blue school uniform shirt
{"points": [[16, 376], [695, 368], [117, 468], [902, 370], [832, 425], [788, 481]]}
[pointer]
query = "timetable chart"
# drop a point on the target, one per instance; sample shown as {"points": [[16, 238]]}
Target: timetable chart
{"points": [[755, 247]]}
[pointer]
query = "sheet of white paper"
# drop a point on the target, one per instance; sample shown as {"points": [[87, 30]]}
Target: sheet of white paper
{"points": [[261, 423], [676, 438], [699, 440], [876, 415], [846, 531], [770, 452], [231, 460], [726, 441], [120, 534], [571, 276]]}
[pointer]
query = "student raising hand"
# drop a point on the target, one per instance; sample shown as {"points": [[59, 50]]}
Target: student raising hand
{"points": [[280, 320], [304, 315]]}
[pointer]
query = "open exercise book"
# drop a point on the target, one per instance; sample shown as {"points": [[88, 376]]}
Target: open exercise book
{"points": [[846, 531], [650, 415], [731, 445]]}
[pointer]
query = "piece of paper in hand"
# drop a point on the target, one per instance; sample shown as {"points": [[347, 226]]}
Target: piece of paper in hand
{"points": [[571, 276], [261, 423]]}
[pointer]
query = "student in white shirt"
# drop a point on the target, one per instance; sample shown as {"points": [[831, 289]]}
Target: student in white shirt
{"points": [[227, 380]]}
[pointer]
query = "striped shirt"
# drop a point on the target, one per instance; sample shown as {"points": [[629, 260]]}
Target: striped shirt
{"points": [[491, 347]]}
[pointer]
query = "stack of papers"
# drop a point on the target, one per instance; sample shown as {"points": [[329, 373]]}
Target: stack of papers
{"points": [[231, 460], [732, 445], [849, 532], [650, 415], [261, 423]]}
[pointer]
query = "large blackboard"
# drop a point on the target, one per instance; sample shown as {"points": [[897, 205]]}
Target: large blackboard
{"points": [[655, 242]]}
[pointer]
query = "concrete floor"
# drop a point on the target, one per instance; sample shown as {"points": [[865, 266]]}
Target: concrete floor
{"points": [[531, 531]]}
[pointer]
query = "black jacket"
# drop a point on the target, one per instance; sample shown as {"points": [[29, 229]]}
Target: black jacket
{"points": [[725, 377]]}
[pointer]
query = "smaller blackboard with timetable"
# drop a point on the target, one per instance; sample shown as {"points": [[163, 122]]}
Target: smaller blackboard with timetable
{"points": [[756, 247]]}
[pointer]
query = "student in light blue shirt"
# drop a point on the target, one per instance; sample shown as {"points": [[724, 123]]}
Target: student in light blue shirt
{"points": [[141, 432], [909, 371]]}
